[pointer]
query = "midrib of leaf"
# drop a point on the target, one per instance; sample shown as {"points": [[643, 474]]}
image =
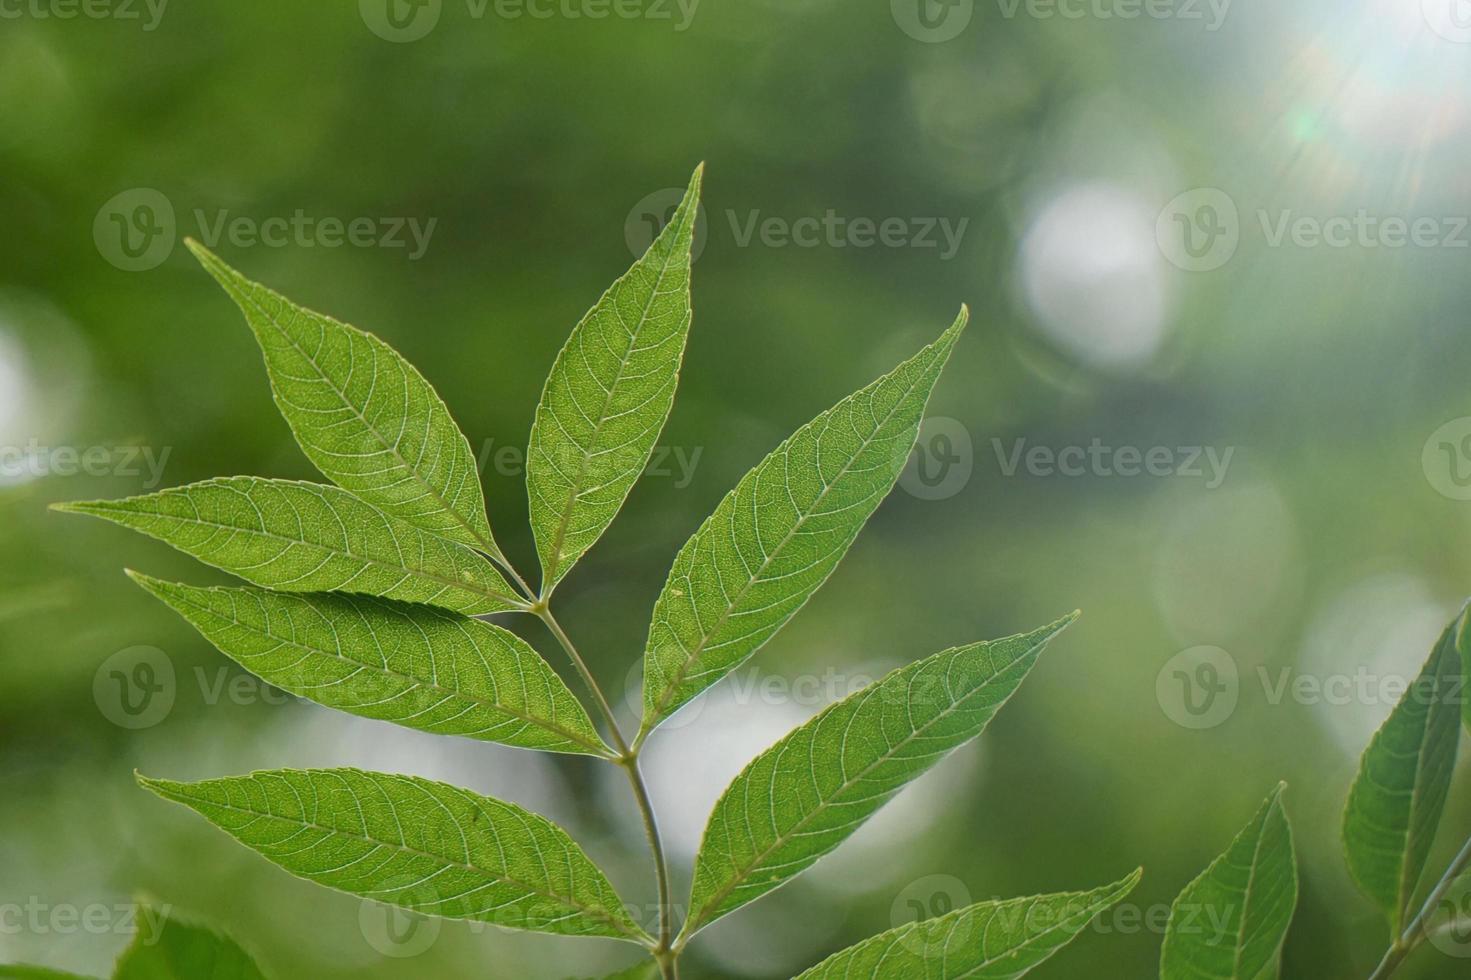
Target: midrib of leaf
{"points": [[1410, 877], [1250, 893], [390, 447], [782, 840], [599, 914], [672, 688], [416, 573], [1029, 941], [550, 574], [598, 750]]}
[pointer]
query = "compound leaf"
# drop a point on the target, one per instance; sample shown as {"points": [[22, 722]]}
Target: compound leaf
{"points": [[305, 537], [777, 536], [989, 941], [1229, 924], [608, 397], [364, 415], [418, 666], [1404, 777], [420, 845], [166, 948], [810, 791]]}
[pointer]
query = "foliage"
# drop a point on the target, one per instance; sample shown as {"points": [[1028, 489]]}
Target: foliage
{"points": [[365, 595], [372, 596]]}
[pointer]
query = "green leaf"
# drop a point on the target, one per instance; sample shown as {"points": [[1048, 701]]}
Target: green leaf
{"points": [[418, 666], [167, 949], [989, 941], [304, 537], [420, 845], [608, 397], [364, 415], [1463, 644], [810, 791], [1229, 924], [17, 971], [1399, 795], [777, 536]]}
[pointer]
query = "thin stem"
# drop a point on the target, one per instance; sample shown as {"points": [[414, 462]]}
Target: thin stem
{"points": [[1416, 931], [545, 615], [664, 953], [505, 565]]}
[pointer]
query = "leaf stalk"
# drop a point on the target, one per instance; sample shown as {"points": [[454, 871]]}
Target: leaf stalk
{"points": [[1416, 932], [664, 952]]}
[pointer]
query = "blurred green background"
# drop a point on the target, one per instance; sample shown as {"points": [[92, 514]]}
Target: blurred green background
{"points": [[1328, 545]]}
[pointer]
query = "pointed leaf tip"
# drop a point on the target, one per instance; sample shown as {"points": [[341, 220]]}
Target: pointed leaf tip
{"points": [[774, 539], [304, 537], [418, 844], [366, 417], [414, 665], [608, 396], [992, 939], [778, 817], [1403, 781], [1251, 889]]}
